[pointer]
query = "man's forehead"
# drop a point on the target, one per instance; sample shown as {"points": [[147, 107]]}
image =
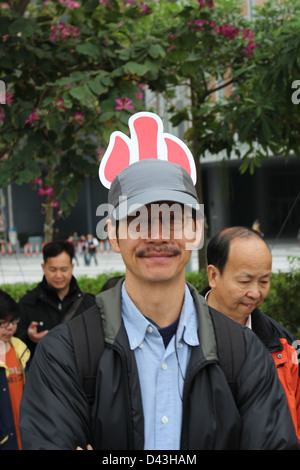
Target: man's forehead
{"points": [[61, 259], [244, 251]]}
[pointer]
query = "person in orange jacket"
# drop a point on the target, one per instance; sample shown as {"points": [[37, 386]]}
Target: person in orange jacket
{"points": [[14, 362], [239, 273]]}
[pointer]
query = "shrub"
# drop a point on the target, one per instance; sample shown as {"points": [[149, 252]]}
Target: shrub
{"points": [[282, 302]]}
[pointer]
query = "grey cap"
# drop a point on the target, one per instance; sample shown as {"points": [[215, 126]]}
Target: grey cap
{"points": [[148, 181]]}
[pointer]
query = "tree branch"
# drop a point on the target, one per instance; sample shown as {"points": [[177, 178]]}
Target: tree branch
{"points": [[21, 6]]}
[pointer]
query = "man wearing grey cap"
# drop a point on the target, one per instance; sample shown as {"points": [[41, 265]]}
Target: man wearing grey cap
{"points": [[159, 384]]}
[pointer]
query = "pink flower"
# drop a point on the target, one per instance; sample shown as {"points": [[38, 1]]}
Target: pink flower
{"points": [[230, 31], [206, 3], [101, 152], [78, 117], [248, 50], [55, 204], [59, 103], [9, 98], [123, 103], [6, 97], [139, 96], [69, 4], [38, 181], [32, 117], [45, 191], [62, 31]]}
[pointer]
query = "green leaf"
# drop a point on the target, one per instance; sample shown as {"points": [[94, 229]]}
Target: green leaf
{"points": [[135, 68], [155, 50], [97, 87], [88, 49], [82, 94], [22, 25], [71, 196]]}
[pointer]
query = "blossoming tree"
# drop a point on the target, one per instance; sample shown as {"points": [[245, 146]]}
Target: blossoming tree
{"points": [[67, 87], [75, 71]]}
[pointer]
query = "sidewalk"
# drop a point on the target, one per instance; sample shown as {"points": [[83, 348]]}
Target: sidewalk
{"points": [[19, 268]]}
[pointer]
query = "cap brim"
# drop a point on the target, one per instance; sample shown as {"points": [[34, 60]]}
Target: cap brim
{"points": [[133, 204]]}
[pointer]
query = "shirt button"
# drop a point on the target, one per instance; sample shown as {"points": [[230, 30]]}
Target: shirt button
{"points": [[164, 420], [150, 329], [279, 356], [164, 366], [179, 345], [141, 346]]}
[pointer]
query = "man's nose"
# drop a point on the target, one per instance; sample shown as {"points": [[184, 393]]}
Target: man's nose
{"points": [[159, 230], [254, 292]]}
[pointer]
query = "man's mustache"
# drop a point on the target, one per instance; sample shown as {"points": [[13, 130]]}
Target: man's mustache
{"points": [[170, 250]]}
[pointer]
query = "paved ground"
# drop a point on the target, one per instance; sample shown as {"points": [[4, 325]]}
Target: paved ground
{"points": [[20, 268]]}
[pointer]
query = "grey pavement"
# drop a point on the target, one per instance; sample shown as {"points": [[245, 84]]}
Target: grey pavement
{"points": [[19, 268]]}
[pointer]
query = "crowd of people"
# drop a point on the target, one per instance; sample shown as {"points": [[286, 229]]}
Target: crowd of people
{"points": [[150, 363], [88, 247]]}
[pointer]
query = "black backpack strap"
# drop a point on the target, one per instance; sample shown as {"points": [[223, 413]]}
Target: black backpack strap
{"points": [[88, 342], [230, 346]]}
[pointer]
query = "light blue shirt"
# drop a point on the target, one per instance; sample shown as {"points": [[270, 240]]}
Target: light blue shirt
{"points": [[161, 370]]}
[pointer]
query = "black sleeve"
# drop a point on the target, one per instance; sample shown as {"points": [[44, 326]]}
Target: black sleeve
{"points": [[54, 412], [23, 324]]}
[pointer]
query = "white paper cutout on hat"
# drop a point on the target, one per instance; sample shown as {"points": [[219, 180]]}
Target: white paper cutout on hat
{"points": [[147, 141]]}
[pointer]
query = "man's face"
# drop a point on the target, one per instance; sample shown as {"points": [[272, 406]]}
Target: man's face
{"points": [[58, 272], [156, 246], [245, 281]]}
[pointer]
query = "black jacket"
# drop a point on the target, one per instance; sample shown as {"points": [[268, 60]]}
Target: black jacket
{"points": [[42, 304], [212, 419]]}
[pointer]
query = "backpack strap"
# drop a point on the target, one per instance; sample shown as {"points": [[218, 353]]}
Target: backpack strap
{"points": [[88, 343], [72, 309], [230, 346]]}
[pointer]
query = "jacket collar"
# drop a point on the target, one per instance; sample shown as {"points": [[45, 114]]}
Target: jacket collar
{"points": [[22, 353], [51, 292], [110, 305], [261, 327]]}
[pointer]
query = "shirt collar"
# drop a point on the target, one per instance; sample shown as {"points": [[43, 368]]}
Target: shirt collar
{"points": [[137, 324]]}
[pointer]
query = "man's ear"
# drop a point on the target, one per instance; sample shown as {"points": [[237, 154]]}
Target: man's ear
{"points": [[112, 235], [213, 275]]}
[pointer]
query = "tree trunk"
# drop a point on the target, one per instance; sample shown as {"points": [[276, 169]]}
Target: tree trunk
{"points": [[202, 252], [49, 222]]}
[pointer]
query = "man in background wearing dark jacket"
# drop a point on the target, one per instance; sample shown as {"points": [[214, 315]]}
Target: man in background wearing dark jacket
{"points": [[239, 272], [55, 299]]}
